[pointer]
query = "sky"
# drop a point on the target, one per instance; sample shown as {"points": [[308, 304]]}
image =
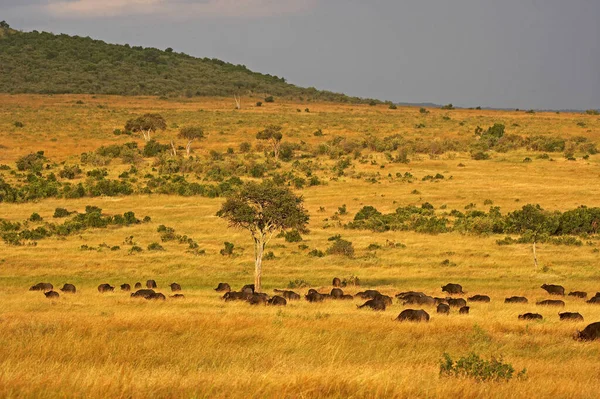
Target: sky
{"points": [[527, 54]]}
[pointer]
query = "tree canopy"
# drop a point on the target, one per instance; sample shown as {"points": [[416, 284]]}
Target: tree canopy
{"points": [[191, 133], [146, 124]]}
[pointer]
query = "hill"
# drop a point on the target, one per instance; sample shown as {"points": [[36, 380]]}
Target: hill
{"points": [[44, 63]]}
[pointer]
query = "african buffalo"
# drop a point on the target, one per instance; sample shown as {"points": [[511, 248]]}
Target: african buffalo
{"points": [[385, 298], [248, 288], [51, 294], [368, 294], [479, 298], [531, 316], [375, 304], [137, 286], [403, 295], [102, 288], [346, 297], [258, 299], [277, 301], [419, 300], [453, 289], [554, 289], [151, 284], [42, 287], [590, 333], [442, 308], [125, 287], [177, 296], [336, 293], [457, 303], [289, 295], [570, 316], [516, 299], [551, 302], [145, 293], [336, 282], [594, 300], [578, 294], [157, 296], [223, 287], [69, 288], [314, 297], [236, 296], [175, 287], [464, 310], [413, 315]]}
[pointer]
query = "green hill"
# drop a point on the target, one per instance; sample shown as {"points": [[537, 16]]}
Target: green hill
{"points": [[44, 63]]}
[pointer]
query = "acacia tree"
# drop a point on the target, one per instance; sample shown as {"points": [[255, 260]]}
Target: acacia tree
{"points": [[272, 134], [264, 209], [146, 124], [191, 133]]}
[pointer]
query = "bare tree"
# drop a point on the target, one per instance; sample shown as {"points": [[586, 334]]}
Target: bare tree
{"points": [[238, 101]]}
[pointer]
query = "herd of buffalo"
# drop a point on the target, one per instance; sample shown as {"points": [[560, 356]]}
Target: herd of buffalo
{"points": [[374, 300]]}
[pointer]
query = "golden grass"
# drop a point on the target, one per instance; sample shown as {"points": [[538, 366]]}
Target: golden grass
{"points": [[93, 345]]}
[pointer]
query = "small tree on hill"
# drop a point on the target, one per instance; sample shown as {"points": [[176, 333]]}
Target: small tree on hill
{"points": [[146, 124], [191, 133], [273, 135], [264, 209]]}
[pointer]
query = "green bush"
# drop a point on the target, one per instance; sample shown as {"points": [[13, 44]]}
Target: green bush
{"points": [[293, 236], [155, 247], [227, 250], [473, 366], [341, 247], [35, 217], [61, 213], [33, 162], [269, 99]]}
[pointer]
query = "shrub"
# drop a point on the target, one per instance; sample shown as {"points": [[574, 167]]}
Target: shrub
{"points": [[480, 155], [293, 236], [298, 283], [33, 162], [18, 124], [269, 99], [245, 147], [70, 172], [341, 247], [155, 247], [135, 249], [227, 250], [592, 112], [259, 103], [61, 213], [35, 217], [153, 148], [448, 106], [393, 106], [318, 133], [423, 110], [317, 253], [473, 366], [269, 256]]}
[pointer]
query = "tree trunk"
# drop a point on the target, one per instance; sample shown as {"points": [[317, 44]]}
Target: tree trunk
{"points": [[173, 149], [188, 148], [238, 101], [535, 262], [259, 248]]}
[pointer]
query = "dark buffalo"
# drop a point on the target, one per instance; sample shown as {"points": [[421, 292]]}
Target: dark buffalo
{"points": [[419, 300], [258, 299], [51, 294], [516, 299], [125, 287], [570, 316], [177, 296], [42, 287], [385, 298], [156, 296], [453, 289], [223, 287], [69, 288], [464, 310], [479, 298], [443, 308], [236, 296], [336, 282], [413, 315], [554, 289], [175, 287], [440, 300], [277, 301], [457, 303], [551, 302], [531, 316], [248, 288], [346, 297], [151, 284], [368, 294], [594, 300], [102, 288], [403, 295], [578, 294], [314, 297], [145, 293], [375, 304], [289, 295], [336, 293], [590, 333], [137, 286]]}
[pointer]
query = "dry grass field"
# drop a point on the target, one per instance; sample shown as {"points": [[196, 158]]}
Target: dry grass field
{"points": [[109, 345]]}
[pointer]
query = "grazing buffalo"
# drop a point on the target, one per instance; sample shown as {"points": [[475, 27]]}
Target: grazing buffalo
{"points": [[42, 287], [289, 295], [440, 300], [554, 289], [419, 300], [277, 301], [314, 297], [464, 310], [443, 308], [402, 295], [156, 296], [248, 288], [594, 300], [151, 284], [125, 287], [51, 294], [413, 315], [551, 302], [137, 286], [145, 293], [453, 289], [578, 294], [375, 304], [385, 298], [531, 316], [570, 316], [102, 288], [336, 282], [346, 297], [590, 333], [457, 303], [177, 296], [175, 287], [516, 299], [336, 293], [258, 299], [368, 294], [479, 298], [223, 287], [236, 296], [69, 288]]}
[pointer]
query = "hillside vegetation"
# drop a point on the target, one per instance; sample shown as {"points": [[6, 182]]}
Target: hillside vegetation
{"points": [[40, 62]]}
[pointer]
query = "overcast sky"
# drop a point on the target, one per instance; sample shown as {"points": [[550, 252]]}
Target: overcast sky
{"points": [[542, 54]]}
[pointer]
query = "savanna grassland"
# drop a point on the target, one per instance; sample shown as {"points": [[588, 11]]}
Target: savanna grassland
{"points": [[110, 345]]}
